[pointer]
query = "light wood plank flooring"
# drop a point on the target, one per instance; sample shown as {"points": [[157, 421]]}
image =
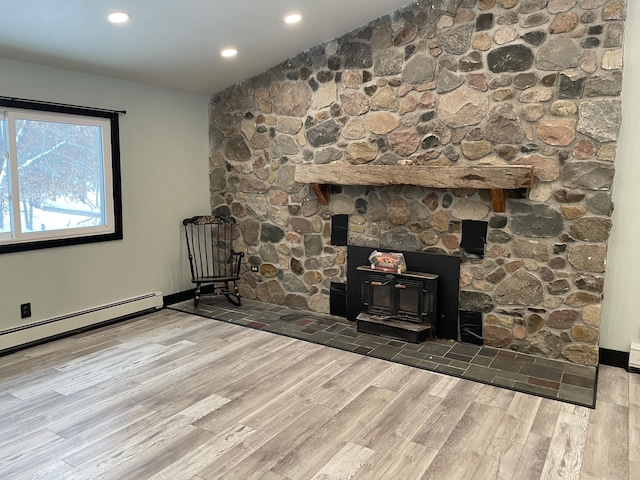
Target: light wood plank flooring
{"points": [[175, 396]]}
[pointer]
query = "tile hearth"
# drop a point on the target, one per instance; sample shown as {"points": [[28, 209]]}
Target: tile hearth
{"points": [[547, 378]]}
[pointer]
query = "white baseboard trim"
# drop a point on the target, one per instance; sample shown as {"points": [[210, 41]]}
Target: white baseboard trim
{"points": [[52, 327]]}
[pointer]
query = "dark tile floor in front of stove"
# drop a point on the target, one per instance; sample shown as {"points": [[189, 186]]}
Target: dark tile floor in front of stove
{"points": [[525, 373]]}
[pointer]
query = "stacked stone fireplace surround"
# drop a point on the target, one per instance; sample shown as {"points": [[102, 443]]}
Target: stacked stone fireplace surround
{"points": [[500, 82]]}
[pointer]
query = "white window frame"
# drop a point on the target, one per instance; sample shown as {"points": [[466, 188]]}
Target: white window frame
{"points": [[111, 229]]}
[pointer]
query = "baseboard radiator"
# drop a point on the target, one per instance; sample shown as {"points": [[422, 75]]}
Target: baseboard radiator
{"points": [[52, 327]]}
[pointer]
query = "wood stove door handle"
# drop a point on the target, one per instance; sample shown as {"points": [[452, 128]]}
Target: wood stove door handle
{"points": [[400, 286], [378, 284]]}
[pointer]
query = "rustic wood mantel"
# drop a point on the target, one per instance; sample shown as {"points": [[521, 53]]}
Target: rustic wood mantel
{"points": [[496, 178]]}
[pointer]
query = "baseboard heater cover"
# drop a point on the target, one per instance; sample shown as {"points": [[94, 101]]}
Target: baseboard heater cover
{"points": [[51, 327]]}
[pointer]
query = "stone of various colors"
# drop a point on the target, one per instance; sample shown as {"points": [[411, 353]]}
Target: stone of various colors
{"points": [[591, 229], [312, 245], [612, 59], [296, 302], [558, 287], [387, 62], [521, 288], [559, 6], [300, 225], [284, 145], [237, 149], [399, 213], [601, 204], [476, 150], [614, 10], [406, 35], [403, 141], [537, 221], [563, 108], [250, 229], [401, 239], [581, 354], [250, 184], [591, 315], [268, 270], [495, 336], [325, 96], [419, 69], [327, 155], [475, 301], [292, 99], [525, 80], [613, 35], [584, 333], [510, 58], [536, 95], [530, 249], [381, 122], [533, 112], [558, 53], [534, 20], [590, 283], [462, 107], [580, 299], [361, 152], [530, 6], [270, 233], [465, 209], [323, 134], [289, 125], [587, 175], [470, 62], [562, 319], [606, 85], [503, 125], [354, 129], [557, 131], [357, 55], [590, 258], [448, 81], [354, 103], [456, 40], [271, 292], [584, 149], [384, 99], [534, 322], [543, 343], [216, 137], [535, 38], [565, 22]]}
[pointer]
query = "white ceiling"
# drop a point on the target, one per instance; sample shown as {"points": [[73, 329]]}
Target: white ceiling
{"points": [[175, 44]]}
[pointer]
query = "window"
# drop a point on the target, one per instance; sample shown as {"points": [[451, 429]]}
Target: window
{"points": [[59, 176]]}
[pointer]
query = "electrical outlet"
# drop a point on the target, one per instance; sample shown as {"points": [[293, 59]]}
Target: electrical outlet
{"points": [[25, 310], [254, 269]]}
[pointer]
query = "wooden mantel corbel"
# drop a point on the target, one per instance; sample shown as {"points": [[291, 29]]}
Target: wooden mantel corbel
{"points": [[496, 178]]}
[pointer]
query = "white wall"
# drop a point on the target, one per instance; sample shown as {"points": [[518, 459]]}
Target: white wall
{"points": [[164, 144], [621, 306]]}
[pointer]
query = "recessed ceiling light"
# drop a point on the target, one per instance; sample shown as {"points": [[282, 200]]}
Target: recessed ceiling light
{"points": [[119, 17], [229, 52], [293, 18]]}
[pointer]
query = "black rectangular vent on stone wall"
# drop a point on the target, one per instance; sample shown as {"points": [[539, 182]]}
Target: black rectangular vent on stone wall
{"points": [[338, 299], [474, 237], [339, 230], [471, 327]]}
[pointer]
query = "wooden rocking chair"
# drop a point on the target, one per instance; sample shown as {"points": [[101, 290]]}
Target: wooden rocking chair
{"points": [[211, 256]]}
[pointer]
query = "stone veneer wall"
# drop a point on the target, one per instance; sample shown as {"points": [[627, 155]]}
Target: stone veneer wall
{"points": [[531, 82]]}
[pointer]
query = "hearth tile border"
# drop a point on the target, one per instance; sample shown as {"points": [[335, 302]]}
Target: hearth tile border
{"points": [[547, 378]]}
